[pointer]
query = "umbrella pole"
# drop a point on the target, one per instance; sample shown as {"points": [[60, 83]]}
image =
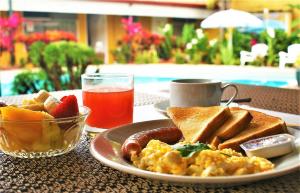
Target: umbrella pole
{"points": [[221, 34]]}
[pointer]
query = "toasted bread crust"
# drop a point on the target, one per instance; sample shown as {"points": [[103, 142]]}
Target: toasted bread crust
{"points": [[236, 128], [234, 143], [223, 127], [198, 123], [215, 141], [261, 125], [213, 125], [238, 121]]}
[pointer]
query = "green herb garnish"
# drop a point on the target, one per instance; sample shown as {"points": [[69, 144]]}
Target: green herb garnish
{"points": [[225, 154], [188, 150]]}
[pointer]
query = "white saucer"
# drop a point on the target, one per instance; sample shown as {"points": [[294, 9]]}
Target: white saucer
{"points": [[163, 105]]}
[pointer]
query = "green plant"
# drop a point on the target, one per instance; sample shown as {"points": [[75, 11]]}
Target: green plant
{"points": [[147, 56], [295, 23], [277, 40], [295, 35], [63, 62], [122, 54], [241, 41], [222, 52], [153, 55], [188, 150], [259, 61], [198, 47], [36, 53], [213, 52], [180, 57], [165, 49], [227, 55], [31, 82], [188, 33]]}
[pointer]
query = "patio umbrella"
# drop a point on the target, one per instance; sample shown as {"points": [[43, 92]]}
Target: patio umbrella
{"points": [[231, 18]]}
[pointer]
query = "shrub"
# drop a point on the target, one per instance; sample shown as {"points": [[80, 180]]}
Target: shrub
{"points": [[146, 57], [63, 62], [165, 48], [31, 82]]}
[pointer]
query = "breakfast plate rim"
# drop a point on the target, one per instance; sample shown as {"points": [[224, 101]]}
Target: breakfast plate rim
{"points": [[180, 179]]}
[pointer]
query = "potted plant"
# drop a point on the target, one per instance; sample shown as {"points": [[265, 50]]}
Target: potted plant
{"points": [[297, 65]]}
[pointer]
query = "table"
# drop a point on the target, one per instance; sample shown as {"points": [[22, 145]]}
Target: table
{"points": [[276, 99], [78, 171]]}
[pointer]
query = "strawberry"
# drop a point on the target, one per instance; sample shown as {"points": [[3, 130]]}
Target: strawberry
{"points": [[67, 108], [63, 98]]}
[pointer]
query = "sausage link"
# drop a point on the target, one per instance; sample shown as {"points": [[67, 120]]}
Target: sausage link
{"points": [[136, 142]]}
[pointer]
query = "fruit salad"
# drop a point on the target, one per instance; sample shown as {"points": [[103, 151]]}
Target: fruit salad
{"points": [[41, 127]]}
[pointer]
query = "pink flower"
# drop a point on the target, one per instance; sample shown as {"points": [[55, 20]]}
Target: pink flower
{"points": [[3, 23], [253, 42], [14, 20], [8, 27], [5, 41], [130, 27]]}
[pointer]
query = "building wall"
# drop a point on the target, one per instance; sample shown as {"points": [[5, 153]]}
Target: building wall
{"points": [[114, 34], [82, 28], [259, 5], [287, 14], [98, 35], [157, 23], [3, 14]]}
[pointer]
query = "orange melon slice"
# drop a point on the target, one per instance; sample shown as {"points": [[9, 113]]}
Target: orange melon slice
{"points": [[14, 124]]}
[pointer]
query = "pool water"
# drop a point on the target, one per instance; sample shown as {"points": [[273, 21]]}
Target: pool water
{"points": [[143, 80], [261, 83], [6, 88]]}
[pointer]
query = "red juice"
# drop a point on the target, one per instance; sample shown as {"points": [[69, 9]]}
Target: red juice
{"points": [[110, 107]]}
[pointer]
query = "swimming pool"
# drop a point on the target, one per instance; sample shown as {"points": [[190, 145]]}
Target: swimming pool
{"points": [[6, 88], [145, 80]]}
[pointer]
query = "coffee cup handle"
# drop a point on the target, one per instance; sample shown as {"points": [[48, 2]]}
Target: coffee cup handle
{"points": [[234, 95]]}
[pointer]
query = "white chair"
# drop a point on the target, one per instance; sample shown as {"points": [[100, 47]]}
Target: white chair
{"points": [[257, 50], [289, 57]]}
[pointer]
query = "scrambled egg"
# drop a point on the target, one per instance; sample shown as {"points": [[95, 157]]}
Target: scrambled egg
{"points": [[161, 157]]}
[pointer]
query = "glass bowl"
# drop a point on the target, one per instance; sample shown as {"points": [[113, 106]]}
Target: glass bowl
{"points": [[46, 138]]}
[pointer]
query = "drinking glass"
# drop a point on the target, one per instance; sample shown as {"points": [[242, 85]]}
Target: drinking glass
{"points": [[110, 98]]}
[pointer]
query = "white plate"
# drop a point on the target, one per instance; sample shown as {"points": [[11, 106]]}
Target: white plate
{"points": [[163, 105], [105, 147]]}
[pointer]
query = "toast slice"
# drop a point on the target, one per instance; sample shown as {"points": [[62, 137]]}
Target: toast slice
{"points": [[198, 123], [261, 125], [236, 123]]}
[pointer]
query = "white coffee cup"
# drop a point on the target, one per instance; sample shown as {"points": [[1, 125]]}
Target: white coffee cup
{"points": [[198, 92]]}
